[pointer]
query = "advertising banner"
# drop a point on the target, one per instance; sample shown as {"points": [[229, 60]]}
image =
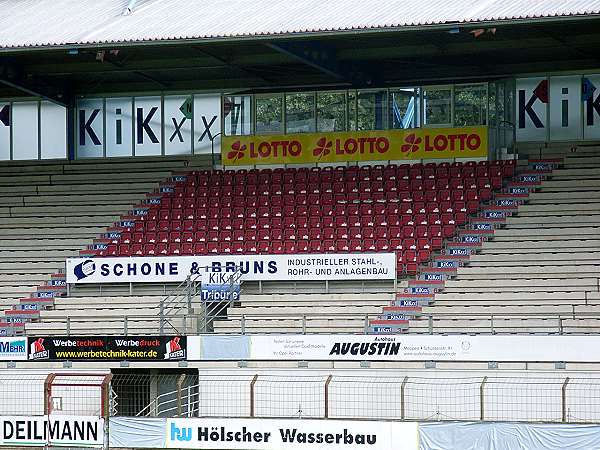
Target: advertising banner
{"points": [[357, 347], [383, 145], [219, 287], [13, 348], [281, 434], [59, 430], [165, 269], [107, 348]]}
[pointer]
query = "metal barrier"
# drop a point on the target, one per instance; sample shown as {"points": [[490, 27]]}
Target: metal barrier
{"points": [[486, 323], [554, 398]]}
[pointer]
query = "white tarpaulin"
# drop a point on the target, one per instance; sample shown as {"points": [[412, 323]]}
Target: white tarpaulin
{"points": [[59, 430], [508, 436], [161, 269], [289, 434]]}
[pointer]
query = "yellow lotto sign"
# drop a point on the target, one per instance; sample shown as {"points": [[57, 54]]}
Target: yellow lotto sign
{"points": [[418, 143]]}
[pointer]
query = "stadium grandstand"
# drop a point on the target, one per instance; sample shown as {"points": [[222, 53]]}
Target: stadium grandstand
{"points": [[384, 214]]}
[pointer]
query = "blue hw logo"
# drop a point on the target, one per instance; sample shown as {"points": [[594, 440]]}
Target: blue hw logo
{"points": [[180, 434]]}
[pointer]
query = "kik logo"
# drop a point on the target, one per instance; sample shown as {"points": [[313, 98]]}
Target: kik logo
{"points": [[180, 434], [237, 151], [411, 143], [526, 105], [323, 147]]}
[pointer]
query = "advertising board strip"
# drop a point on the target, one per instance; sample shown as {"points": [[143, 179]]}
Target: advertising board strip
{"points": [[107, 348], [356, 347], [165, 269], [278, 434], [383, 145], [58, 430], [13, 348]]}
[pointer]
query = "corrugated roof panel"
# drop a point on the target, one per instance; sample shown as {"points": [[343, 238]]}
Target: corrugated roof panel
{"points": [[62, 22]]}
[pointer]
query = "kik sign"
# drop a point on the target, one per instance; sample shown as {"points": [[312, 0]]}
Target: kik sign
{"points": [[147, 125], [558, 108]]}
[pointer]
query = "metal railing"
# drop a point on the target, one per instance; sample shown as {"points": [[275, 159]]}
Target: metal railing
{"points": [[554, 398], [314, 323], [179, 299]]}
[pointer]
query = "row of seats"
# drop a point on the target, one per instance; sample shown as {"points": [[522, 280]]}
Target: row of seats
{"points": [[290, 233], [405, 221], [402, 248], [300, 211], [353, 173], [339, 187], [314, 207]]}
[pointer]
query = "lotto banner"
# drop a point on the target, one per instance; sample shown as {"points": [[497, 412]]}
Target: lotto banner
{"points": [[108, 348], [418, 143]]}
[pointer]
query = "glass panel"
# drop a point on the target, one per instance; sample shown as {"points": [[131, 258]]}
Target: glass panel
{"points": [[438, 106], [352, 110], [492, 100], [371, 110], [331, 111], [148, 126], [25, 130], [470, 105], [269, 114], [237, 113], [119, 126], [300, 113], [403, 108], [53, 131], [5, 119], [90, 128], [207, 122], [178, 126]]}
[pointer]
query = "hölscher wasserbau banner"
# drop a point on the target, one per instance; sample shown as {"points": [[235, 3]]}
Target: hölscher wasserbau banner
{"points": [[289, 434], [167, 269], [107, 348]]}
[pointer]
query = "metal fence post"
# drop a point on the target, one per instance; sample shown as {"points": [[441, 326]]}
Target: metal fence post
{"points": [[481, 399], [492, 324], [402, 407], [243, 324], [430, 322], [560, 325], [304, 324], [161, 314], [125, 325], [563, 397], [252, 383], [327, 396], [189, 293], [68, 326], [180, 380]]}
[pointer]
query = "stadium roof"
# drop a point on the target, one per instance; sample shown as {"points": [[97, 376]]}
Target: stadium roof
{"points": [[50, 23]]}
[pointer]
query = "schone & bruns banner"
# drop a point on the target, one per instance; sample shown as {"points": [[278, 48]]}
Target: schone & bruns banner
{"points": [[107, 348], [165, 269], [384, 145]]}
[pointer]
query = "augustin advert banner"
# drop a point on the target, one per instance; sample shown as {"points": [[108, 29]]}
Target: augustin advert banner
{"points": [[385, 145], [168, 269], [107, 348]]}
